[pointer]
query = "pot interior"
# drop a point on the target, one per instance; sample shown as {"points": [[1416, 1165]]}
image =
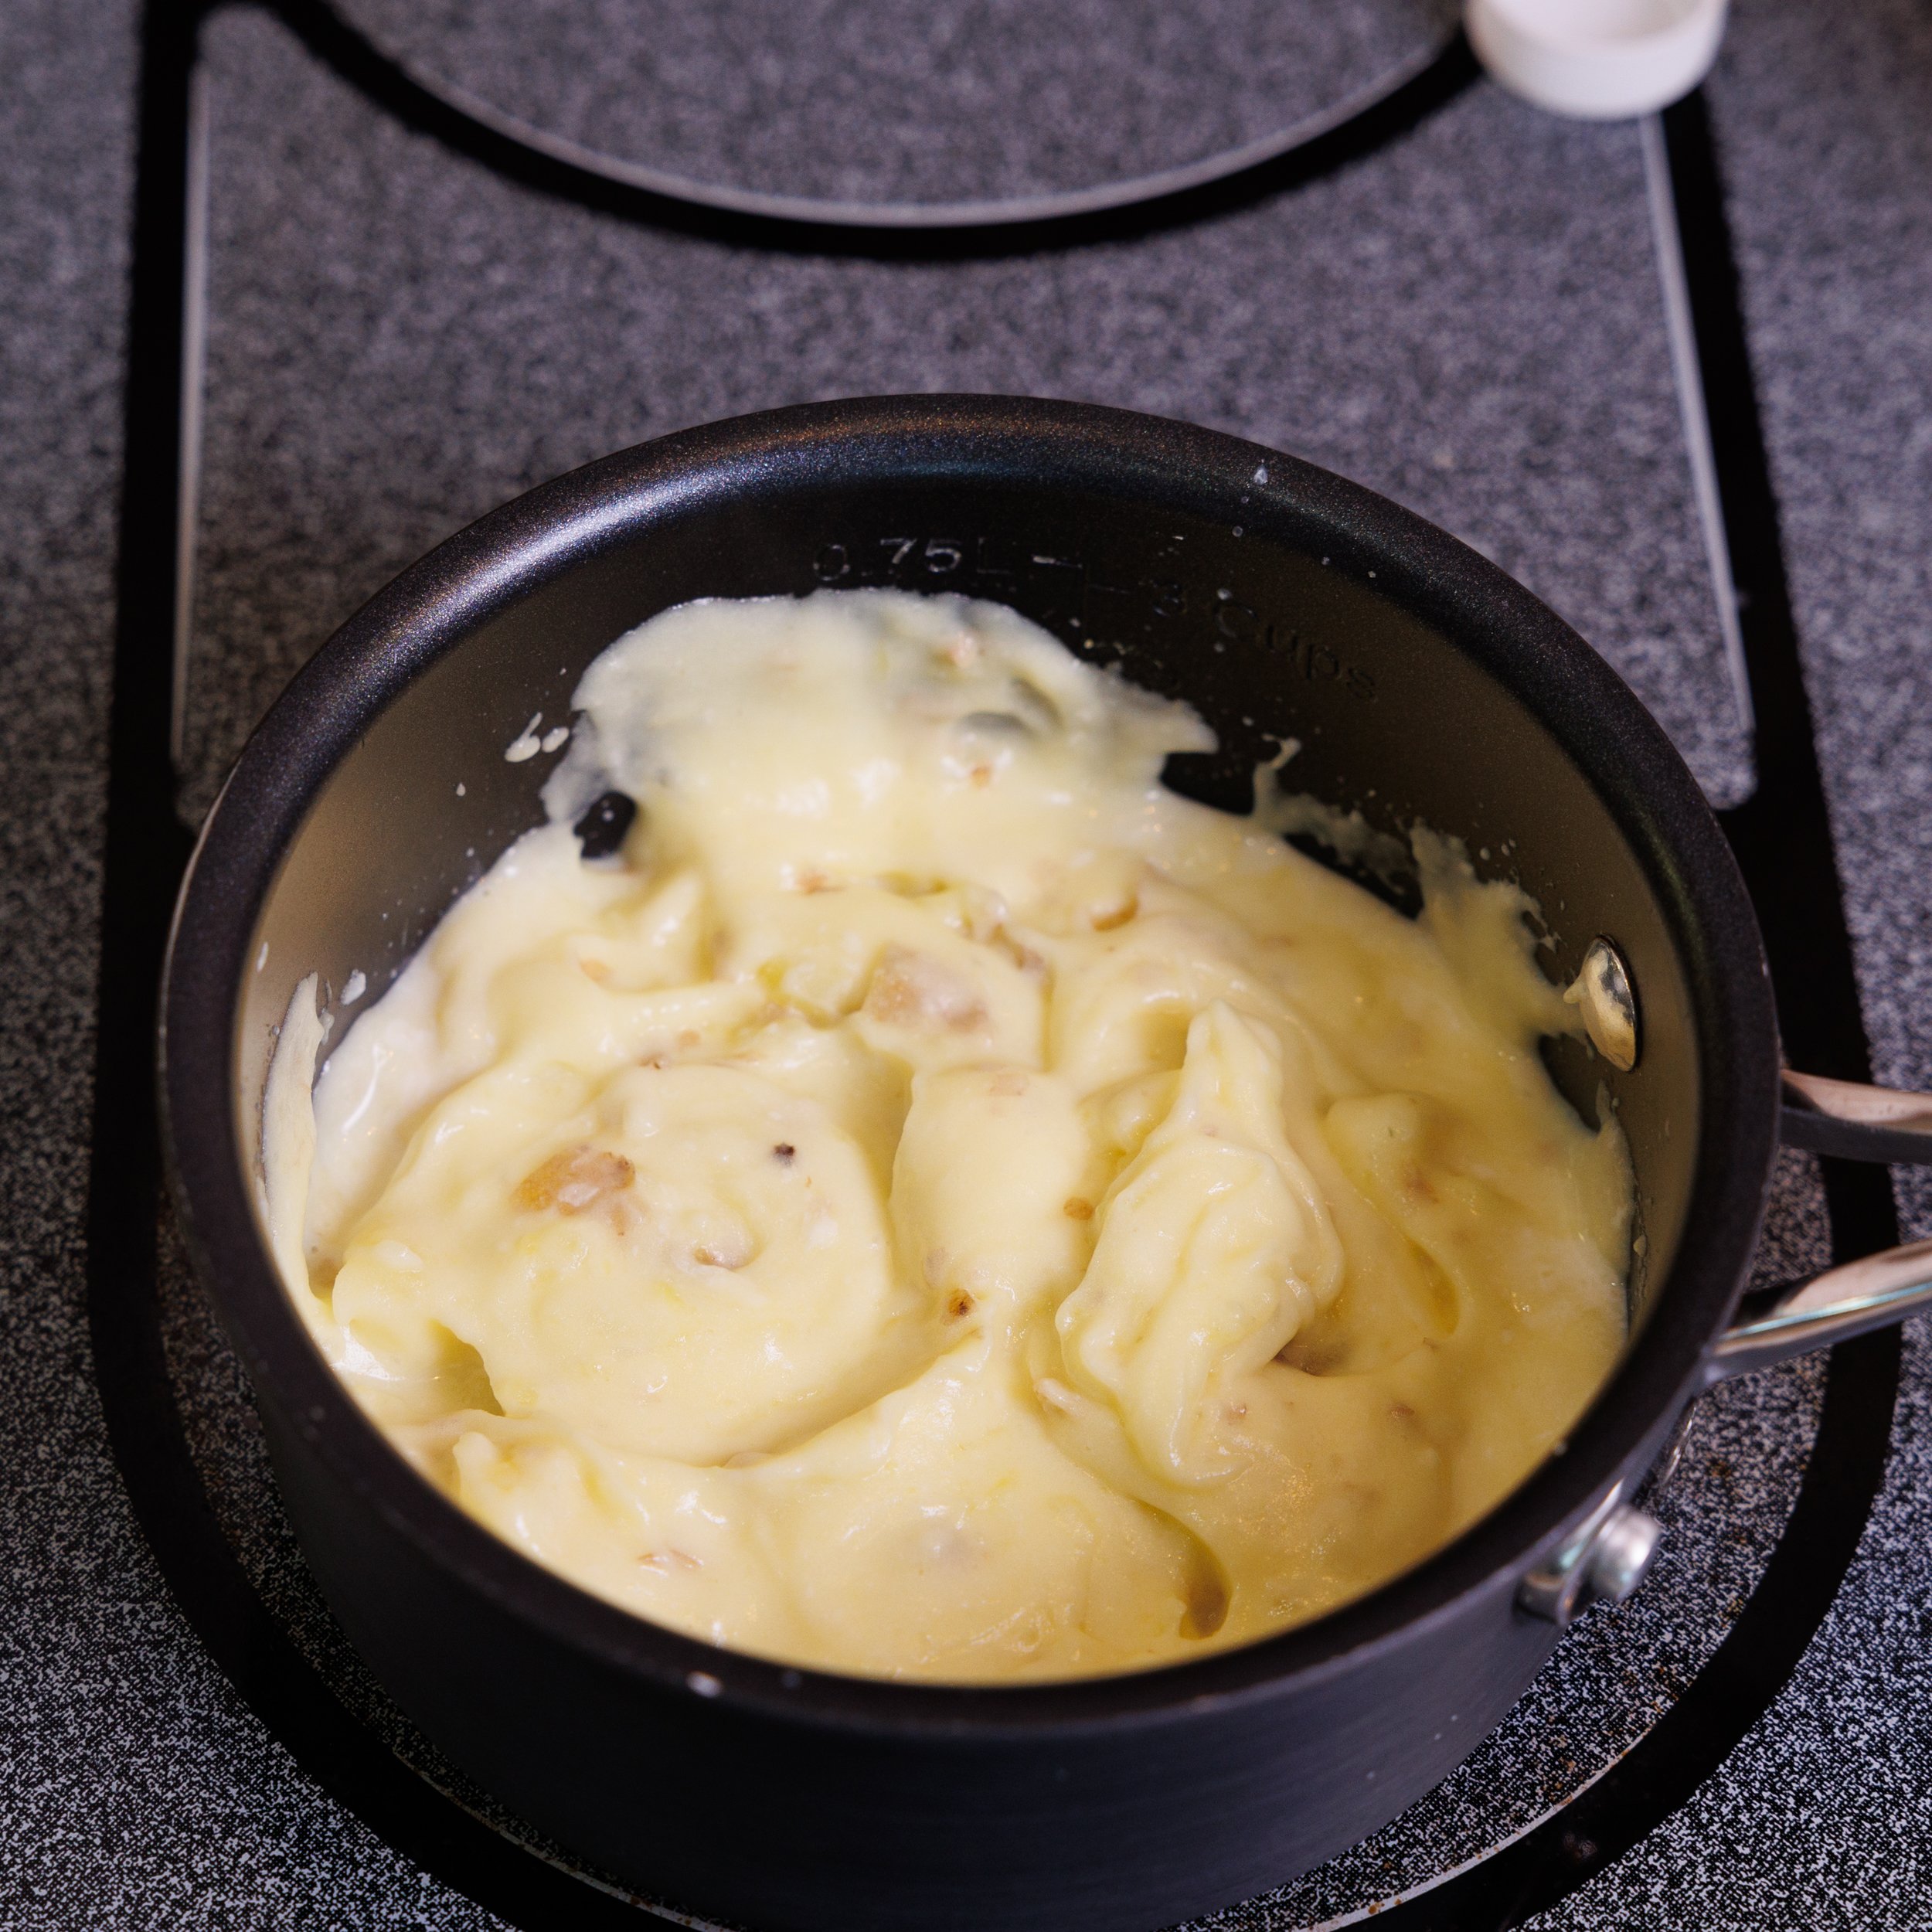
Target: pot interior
{"points": [[1275, 613]]}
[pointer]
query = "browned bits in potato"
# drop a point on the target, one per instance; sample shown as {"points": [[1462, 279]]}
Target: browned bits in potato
{"points": [[785, 1153], [958, 1304], [1076, 1210], [664, 1561], [1022, 955], [814, 881], [1107, 917], [597, 970], [578, 1178], [662, 1051], [982, 775], [730, 1249], [911, 990]]}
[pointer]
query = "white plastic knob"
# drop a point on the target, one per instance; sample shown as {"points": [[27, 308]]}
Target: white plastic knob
{"points": [[1598, 59]]}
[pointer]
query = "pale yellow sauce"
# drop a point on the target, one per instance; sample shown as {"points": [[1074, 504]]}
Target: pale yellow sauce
{"points": [[941, 1205]]}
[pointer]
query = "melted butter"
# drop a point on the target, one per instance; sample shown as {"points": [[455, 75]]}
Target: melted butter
{"points": [[942, 1204]]}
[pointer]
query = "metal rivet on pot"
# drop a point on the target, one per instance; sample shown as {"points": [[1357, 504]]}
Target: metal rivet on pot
{"points": [[1621, 1553], [1604, 991], [1604, 1561]]}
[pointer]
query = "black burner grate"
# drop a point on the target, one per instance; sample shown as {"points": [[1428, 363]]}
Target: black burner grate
{"points": [[907, 113]]}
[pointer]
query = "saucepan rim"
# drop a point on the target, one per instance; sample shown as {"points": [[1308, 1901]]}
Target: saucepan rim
{"points": [[430, 608]]}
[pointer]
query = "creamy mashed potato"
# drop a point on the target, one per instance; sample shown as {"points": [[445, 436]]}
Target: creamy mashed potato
{"points": [[939, 1204]]}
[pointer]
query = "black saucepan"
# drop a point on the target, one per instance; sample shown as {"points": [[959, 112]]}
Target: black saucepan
{"points": [[1281, 601]]}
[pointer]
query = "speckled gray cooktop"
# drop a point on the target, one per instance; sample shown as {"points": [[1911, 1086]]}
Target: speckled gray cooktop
{"points": [[1466, 317]]}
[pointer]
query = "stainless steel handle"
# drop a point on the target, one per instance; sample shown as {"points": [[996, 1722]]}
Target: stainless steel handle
{"points": [[1872, 1293], [1607, 1554], [1855, 1123]]}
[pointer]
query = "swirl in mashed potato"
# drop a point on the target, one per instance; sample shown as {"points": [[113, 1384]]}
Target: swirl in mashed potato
{"points": [[939, 1204]]}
